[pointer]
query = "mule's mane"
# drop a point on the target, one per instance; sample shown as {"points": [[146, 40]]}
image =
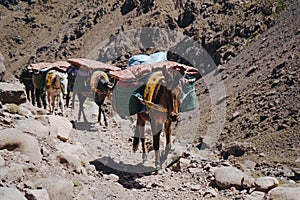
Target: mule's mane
{"points": [[55, 80]]}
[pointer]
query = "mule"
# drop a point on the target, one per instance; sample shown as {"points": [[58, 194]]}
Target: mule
{"points": [[99, 88], [161, 109], [38, 80], [56, 84], [26, 79]]}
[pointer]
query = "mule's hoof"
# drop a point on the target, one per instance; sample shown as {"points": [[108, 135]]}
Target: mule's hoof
{"points": [[158, 167], [134, 148], [168, 148], [159, 171], [163, 158], [144, 156]]}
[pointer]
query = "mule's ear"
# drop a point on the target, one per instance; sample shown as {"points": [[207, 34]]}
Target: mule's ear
{"points": [[110, 85], [181, 70], [165, 71]]}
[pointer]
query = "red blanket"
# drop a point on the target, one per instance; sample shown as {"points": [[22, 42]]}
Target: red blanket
{"points": [[60, 65], [87, 65], [138, 71]]}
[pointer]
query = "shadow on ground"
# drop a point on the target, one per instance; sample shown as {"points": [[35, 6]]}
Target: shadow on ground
{"points": [[127, 179], [84, 126]]}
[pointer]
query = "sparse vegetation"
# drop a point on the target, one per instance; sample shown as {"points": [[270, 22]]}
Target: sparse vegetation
{"points": [[15, 109]]}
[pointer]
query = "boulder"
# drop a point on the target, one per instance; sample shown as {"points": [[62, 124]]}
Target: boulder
{"points": [[128, 6], [11, 194], [235, 149], [71, 161], [265, 184], [11, 173], [74, 156], [287, 193], [57, 187], [189, 15], [111, 177], [33, 110], [2, 161], [12, 93], [13, 139], [256, 195], [227, 177], [60, 126], [37, 194], [33, 127]]}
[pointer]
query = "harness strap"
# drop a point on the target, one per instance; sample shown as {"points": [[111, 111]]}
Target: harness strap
{"points": [[26, 78], [57, 88], [99, 91], [149, 91], [151, 105], [49, 78], [95, 78], [157, 107]]}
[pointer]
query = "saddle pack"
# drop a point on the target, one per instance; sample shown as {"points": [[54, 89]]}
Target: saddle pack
{"points": [[49, 78]]}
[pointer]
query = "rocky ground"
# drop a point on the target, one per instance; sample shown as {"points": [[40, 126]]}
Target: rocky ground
{"points": [[84, 160], [253, 155]]}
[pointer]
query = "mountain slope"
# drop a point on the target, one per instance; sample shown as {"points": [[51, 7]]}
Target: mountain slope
{"points": [[58, 30]]}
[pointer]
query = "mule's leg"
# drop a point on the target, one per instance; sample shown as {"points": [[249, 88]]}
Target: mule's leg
{"points": [[38, 97], [73, 100], [27, 89], [81, 102], [61, 102], [104, 117], [83, 114], [32, 96], [43, 96], [80, 105], [99, 114], [68, 97], [156, 130], [53, 102], [136, 139], [49, 102], [168, 132], [143, 141], [140, 134], [80, 109]]}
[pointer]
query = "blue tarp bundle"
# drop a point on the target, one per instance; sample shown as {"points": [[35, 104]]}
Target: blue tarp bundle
{"points": [[159, 56], [124, 99], [144, 59], [139, 59]]}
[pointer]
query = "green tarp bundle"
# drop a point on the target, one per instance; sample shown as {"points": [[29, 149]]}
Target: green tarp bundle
{"points": [[189, 101], [124, 101]]}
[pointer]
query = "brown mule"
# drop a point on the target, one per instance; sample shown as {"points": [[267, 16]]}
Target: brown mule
{"points": [[99, 89], [162, 102]]}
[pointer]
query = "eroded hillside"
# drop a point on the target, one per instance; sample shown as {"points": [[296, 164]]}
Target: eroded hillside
{"points": [[58, 30]]}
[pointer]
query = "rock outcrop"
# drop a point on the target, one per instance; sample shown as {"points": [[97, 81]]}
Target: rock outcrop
{"points": [[2, 67], [12, 93]]}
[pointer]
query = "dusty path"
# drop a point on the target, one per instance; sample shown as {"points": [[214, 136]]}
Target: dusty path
{"points": [[111, 152]]}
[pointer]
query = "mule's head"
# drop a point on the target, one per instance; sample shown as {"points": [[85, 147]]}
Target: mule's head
{"points": [[63, 82], [173, 83], [103, 83]]}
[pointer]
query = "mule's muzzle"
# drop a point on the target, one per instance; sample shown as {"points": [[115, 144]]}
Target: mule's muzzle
{"points": [[64, 94], [174, 117]]}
